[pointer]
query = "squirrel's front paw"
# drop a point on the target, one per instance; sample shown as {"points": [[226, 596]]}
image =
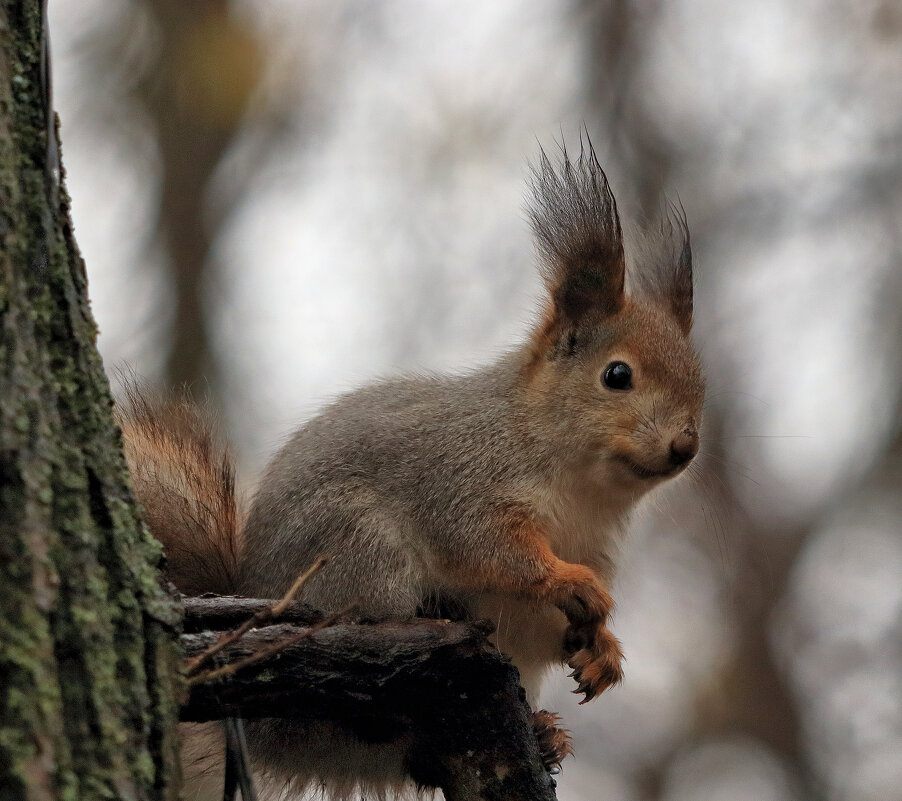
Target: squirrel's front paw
{"points": [[583, 599], [597, 666]]}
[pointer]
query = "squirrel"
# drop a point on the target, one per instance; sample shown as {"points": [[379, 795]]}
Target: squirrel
{"points": [[504, 492]]}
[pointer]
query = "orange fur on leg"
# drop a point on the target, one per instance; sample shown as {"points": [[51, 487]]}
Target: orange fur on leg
{"points": [[595, 654], [531, 571]]}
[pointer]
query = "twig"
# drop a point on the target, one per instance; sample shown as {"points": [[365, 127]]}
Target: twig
{"points": [[258, 619], [299, 582], [237, 768], [234, 667]]}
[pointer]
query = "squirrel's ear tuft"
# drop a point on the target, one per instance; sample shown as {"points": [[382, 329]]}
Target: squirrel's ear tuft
{"points": [[577, 230], [664, 275], [681, 266]]}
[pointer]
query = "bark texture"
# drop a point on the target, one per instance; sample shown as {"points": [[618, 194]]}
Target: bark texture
{"points": [[88, 650]]}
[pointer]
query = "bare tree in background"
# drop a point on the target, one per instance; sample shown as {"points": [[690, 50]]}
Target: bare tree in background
{"points": [[193, 74], [618, 39], [196, 92]]}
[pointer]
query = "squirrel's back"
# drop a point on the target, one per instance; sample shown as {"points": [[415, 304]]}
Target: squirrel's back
{"points": [[419, 453]]}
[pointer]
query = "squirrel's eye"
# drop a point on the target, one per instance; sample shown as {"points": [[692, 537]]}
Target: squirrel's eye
{"points": [[618, 375]]}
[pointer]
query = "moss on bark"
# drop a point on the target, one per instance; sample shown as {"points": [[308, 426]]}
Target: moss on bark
{"points": [[87, 635]]}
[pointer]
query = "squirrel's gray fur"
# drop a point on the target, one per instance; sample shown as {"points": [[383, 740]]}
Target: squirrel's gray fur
{"points": [[381, 476]]}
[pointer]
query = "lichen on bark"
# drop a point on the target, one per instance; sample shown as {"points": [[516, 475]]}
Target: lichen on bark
{"points": [[88, 666]]}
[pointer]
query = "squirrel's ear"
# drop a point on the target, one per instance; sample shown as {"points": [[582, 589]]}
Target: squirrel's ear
{"points": [[664, 275], [578, 236]]}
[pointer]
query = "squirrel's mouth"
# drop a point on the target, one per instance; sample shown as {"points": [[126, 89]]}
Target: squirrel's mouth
{"points": [[645, 472]]}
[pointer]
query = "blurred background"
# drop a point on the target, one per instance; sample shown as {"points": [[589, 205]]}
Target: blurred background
{"points": [[280, 201]]}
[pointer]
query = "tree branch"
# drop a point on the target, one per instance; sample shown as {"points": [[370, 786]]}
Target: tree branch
{"points": [[256, 620], [221, 612], [439, 685]]}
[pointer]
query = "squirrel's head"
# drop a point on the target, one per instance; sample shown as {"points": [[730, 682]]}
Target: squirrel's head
{"points": [[615, 373]]}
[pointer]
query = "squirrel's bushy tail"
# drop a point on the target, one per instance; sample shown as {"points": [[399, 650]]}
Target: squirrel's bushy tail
{"points": [[183, 476]]}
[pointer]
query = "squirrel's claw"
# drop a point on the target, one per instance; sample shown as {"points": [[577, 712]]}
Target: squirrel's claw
{"points": [[597, 667], [554, 742]]}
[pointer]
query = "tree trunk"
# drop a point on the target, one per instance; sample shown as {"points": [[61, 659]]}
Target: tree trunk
{"points": [[87, 636]]}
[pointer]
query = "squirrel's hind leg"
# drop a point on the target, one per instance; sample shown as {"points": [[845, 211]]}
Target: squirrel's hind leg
{"points": [[370, 564], [555, 744]]}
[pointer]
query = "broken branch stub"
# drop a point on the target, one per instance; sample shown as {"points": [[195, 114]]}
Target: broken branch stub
{"points": [[439, 685]]}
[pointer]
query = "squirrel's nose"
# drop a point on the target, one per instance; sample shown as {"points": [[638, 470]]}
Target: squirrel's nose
{"points": [[684, 446]]}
